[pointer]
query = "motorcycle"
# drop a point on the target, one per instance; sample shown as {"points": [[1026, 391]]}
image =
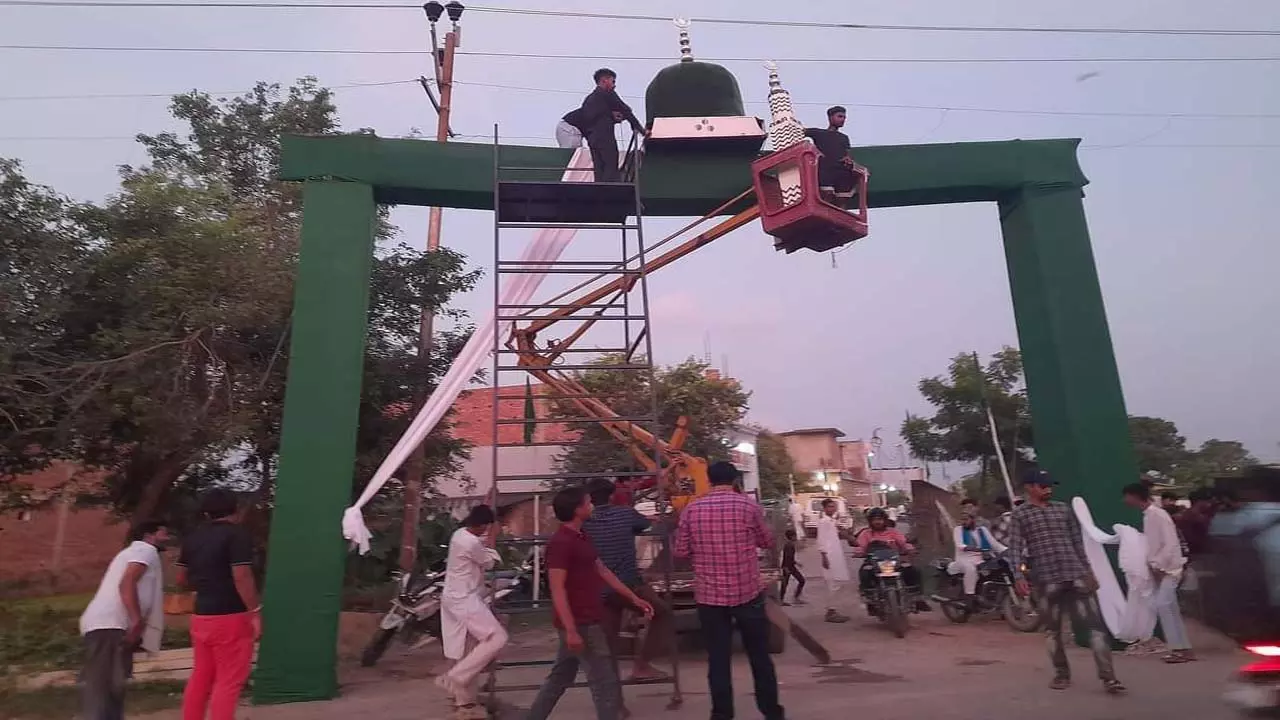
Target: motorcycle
{"points": [[888, 597], [414, 615], [995, 594], [1256, 687]]}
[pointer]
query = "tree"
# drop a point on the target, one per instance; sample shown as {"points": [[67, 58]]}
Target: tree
{"points": [[1214, 459], [712, 406], [777, 469], [958, 430], [42, 248], [169, 370], [1157, 444]]}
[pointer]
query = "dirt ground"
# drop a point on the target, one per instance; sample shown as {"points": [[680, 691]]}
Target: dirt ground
{"points": [[981, 670]]}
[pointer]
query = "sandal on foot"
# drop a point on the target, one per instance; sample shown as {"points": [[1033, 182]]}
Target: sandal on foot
{"points": [[1177, 657], [1060, 682], [1114, 687]]}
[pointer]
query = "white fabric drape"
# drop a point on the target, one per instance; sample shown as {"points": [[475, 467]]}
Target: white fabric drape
{"points": [[1131, 618], [545, 247]]}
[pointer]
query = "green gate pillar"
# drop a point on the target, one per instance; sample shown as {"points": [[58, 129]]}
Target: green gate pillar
{"points": [[305, 558], [1078, 413]]}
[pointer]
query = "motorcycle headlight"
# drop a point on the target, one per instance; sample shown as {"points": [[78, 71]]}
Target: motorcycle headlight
{"points": [[888, 566]]}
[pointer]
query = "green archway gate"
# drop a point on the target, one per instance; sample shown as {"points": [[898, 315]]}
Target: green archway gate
{"points": [[1079, 413]]}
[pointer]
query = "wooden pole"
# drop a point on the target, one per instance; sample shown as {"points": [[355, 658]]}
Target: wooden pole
{"points": [[415, 464]]}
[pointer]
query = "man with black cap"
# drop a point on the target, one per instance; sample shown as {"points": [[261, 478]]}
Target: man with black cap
{"points": [[1048, 531], [722, 531], [600, 111]]}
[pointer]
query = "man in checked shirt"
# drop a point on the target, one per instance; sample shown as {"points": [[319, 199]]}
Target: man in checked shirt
{"points": [[722, 531], [1048, 531]]}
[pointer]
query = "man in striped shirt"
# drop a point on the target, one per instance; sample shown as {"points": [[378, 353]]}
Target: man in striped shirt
{"points": [[722, 532], [613, 528]]}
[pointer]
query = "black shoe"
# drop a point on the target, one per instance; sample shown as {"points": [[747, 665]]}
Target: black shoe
{"points": [[922, 606]]}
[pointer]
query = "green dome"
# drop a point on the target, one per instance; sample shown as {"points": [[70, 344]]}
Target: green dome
{"points": [[693, 89]]}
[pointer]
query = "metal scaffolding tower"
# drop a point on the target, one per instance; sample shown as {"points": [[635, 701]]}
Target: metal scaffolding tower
{"points": [[605, 335]]}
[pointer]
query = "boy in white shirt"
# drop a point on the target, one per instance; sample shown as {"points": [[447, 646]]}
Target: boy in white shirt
{"points": [[126, 613], [465, 614]]}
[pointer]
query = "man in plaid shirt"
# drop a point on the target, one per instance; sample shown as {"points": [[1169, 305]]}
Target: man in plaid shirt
{"points": [[722, 531], [1048, 531]]}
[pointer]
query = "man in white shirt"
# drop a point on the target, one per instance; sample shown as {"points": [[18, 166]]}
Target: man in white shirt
{"points": [[464, 614], [126, 613], [973, 543], [835, 567], [1164, 557]]}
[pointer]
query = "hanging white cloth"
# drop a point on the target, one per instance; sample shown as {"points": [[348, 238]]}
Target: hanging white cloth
{"points": [[546, 247], [1130, 618]]}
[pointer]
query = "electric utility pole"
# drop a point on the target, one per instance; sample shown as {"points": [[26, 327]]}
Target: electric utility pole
{"points": [[442, 69]]}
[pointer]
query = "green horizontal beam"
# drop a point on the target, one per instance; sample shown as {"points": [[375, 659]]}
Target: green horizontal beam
{"points": [[460, 175]]}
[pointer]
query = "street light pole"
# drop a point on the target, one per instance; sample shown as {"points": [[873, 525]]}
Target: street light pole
{"points": [[415, 464]]}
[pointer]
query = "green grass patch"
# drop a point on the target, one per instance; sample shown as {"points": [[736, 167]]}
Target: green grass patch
{"points": [[64, 702], [44, 634]]}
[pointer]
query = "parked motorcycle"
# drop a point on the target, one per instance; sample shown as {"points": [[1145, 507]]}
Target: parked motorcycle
{"points": [[888, 598], [1256, 687], [995, 594], [414, 615]]}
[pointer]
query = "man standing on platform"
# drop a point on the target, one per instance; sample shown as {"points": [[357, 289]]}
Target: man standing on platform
{"points": [[578, 580], [722, 532], [600, 111]]}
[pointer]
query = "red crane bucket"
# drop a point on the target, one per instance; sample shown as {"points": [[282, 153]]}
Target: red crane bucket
{"points": [[792, 209]]}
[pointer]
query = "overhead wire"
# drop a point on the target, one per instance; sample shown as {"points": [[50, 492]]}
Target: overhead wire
{"points": [[635, 17], [629, 58]]}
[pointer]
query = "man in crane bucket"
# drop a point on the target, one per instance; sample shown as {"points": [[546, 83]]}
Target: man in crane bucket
{"points": [[835, 167]]}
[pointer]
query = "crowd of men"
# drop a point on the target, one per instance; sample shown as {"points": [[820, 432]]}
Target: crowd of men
{"points": [[596, 585]]}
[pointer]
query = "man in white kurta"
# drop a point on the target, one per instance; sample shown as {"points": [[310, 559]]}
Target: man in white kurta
{"points": [[464, 614], [835, 567]]}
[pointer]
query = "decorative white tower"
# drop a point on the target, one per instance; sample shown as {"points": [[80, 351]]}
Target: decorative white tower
{"points": [[785, 131]]}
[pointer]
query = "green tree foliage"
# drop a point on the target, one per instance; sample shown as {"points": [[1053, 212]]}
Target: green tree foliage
{"points": [[777, 469], [42, 247], [712, 406], [958, 429], [1157, 444], [157, 351]]}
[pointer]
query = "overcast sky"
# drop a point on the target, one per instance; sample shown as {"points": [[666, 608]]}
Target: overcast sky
{"points": [[1185, 247]]}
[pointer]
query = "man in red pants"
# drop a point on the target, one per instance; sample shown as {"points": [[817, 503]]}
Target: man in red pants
{"points": [[217, 562]]}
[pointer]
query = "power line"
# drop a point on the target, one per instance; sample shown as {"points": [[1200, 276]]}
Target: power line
{"points": [[585, 15], [170, 95], [950, 108], [579, 92], [549, 140], [641, 58]]}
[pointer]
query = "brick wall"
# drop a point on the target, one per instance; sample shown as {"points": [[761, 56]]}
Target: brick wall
{"points": [[35, 558]]}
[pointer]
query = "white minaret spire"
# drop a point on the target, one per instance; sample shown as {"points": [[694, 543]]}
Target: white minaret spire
{"points": [[784, 129], [686, 52]]}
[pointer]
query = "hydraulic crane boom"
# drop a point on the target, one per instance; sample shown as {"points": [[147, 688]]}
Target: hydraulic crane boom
{"points": [[682, 476]]}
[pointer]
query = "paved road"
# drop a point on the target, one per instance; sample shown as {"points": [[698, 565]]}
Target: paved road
{"points": [[941, 671]]}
